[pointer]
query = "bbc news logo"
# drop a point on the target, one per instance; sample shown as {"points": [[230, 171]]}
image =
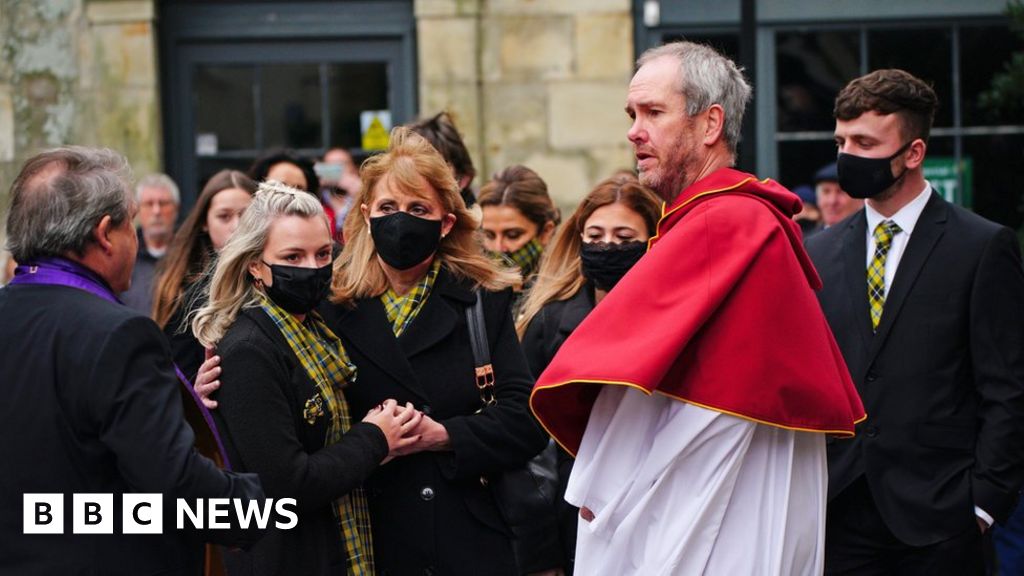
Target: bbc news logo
{"points": [[144, 513]]}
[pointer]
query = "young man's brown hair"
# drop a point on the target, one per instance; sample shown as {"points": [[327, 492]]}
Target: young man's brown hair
{"points": [[890, 91]]}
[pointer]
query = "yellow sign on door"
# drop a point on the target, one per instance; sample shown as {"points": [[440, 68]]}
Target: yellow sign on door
{"points": [[376, 125]]}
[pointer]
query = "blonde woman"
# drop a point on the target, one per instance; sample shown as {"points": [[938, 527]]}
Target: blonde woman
{"points": [[281, 408], [410, 269]]}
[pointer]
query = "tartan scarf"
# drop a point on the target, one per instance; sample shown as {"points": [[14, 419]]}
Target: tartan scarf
{"points": [[402, 310], [526, 257], [327, 364]]}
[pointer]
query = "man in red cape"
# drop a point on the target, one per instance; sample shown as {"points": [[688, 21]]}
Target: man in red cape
{"points": [[697, 396]]}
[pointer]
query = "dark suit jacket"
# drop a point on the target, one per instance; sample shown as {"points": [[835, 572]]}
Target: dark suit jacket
{"points": [[430, 512], [260, 414], [942, 379], [91, 405]]}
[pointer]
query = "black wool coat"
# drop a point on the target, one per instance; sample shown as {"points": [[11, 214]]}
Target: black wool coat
{"points": [[431, 513], [544, 336], [261, 400], [92, 405]]}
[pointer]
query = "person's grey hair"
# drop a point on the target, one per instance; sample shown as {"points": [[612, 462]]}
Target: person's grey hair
{"points": [[162, 181], [60, 196], [708, 78]]}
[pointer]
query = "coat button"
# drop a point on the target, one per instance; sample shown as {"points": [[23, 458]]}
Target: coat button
{"points": [[871, 431], [871, 377], [428, 571], [427, 493]]}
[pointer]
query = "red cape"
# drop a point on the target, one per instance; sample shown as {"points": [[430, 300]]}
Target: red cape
{"points": [[719, 313]]}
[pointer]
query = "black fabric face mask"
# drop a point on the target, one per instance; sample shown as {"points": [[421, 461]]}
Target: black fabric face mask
{"points": [[404, 240], [862, 177], [605, 264], [296, 289]]}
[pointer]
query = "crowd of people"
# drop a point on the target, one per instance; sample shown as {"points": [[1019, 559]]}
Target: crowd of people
{"points": [[704, 372]]}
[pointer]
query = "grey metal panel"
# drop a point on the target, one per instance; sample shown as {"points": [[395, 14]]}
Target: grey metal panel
{"points": [[764, 100], [860, 10], [703, 12], [288, 19], [719, 12]]}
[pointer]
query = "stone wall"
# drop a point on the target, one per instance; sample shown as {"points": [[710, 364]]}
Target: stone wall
{"points": [[77, 72], [535, 82]]}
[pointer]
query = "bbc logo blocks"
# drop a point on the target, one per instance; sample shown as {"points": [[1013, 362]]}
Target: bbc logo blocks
{"points": [[92, 514]]}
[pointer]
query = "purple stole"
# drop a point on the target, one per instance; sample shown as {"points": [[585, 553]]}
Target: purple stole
{"points": [[63, 272]]}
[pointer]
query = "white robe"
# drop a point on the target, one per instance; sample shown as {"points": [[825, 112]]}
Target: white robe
{"points": [[681, 490]]}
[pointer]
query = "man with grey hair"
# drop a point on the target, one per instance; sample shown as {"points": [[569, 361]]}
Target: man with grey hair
{"points": [[699, 435], [91, 401], [159, 200]]}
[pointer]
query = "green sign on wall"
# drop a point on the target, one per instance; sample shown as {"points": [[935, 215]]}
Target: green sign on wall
{"points": [[941, 171]]}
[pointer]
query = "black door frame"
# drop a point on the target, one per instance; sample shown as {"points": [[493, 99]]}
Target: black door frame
{"points": [[274, 32]]}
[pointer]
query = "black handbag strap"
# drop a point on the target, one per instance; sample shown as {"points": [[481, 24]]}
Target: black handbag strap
{"points": [[481, 352]]}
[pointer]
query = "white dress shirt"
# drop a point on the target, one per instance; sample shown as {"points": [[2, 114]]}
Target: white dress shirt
{"points": [[906, 219]]}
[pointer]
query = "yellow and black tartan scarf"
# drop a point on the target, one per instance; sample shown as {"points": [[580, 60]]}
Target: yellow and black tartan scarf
{"points": [[325, 361], [401, 310], [526, 257]]}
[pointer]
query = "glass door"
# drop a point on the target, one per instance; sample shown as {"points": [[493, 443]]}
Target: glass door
{"points": [[235, 101]]}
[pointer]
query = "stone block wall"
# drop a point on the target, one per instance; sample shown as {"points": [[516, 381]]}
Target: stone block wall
{"points": [[535, 82], [81, 72]]}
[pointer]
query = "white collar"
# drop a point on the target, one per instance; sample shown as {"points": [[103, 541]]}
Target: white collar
{"points": [[906, 218]]}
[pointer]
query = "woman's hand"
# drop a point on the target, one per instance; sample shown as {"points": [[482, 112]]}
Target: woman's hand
{"points": [[432, 436], [398, 424], [207, 379]]}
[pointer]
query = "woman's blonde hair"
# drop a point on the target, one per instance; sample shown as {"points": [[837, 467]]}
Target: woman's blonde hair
{"points": [[409, 162], [231, 288], [560, 274]]}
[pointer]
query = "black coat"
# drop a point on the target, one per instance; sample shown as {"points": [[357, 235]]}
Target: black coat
{"points": [[261, 400], [552, 325], [91, 405], [545, 334], [942, 379], [431, 514]]}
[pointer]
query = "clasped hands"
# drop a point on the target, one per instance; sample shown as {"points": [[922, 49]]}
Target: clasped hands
{"points": [[406, 429]]}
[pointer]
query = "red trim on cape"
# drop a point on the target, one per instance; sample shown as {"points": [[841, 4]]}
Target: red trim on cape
{"points": [[720, 313]]}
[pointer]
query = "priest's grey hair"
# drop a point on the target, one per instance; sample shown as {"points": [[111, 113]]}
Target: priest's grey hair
{"points": [[707, 78]]}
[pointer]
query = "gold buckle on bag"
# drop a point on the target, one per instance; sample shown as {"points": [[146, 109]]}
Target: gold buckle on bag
{"points": [[485, 384]]}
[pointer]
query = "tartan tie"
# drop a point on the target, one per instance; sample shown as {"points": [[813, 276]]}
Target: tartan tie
{"points": [[883, 235]]}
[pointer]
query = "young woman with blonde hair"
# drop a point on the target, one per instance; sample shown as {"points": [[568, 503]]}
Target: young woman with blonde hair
{"points": [[281, 406]]}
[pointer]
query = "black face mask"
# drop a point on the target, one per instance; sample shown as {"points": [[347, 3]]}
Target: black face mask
{"points": [[403, 240], [862, 177], [296, 289], [605, 264]]}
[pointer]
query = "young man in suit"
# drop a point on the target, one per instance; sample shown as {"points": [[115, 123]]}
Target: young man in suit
{"points": [[91, 401], [926, 301]]}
